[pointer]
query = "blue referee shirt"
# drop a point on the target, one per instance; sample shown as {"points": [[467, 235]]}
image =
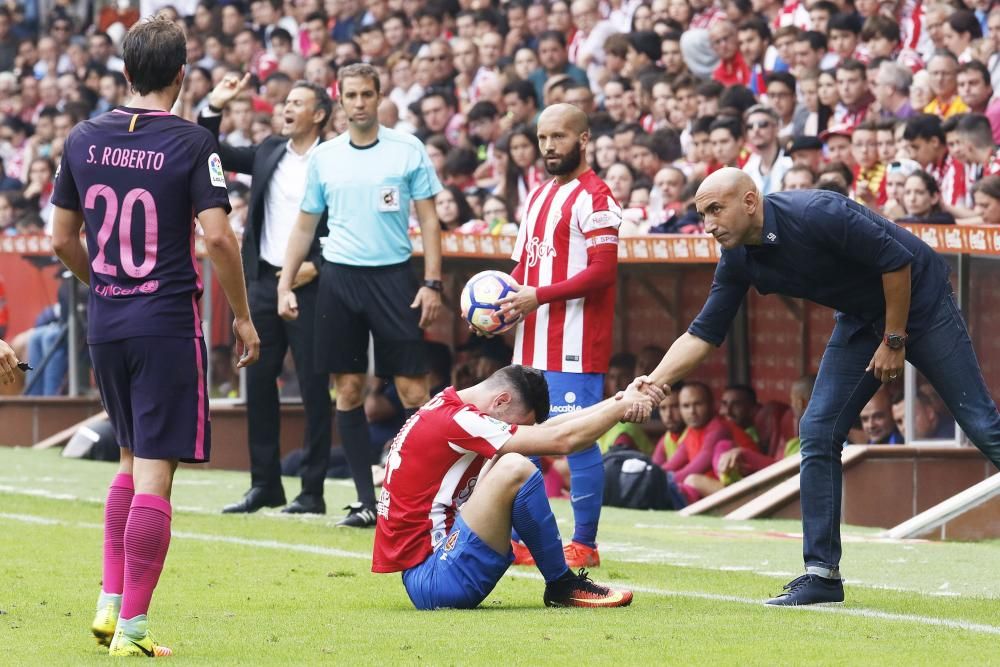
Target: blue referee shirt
{"points": [[824, 247], [367, 192]]}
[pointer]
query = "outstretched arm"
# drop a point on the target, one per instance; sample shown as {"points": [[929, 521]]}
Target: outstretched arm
{"points": [[686, 354], [572, 432]]}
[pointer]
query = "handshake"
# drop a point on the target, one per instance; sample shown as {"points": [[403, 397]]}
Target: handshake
{"points": [[640, 399]]}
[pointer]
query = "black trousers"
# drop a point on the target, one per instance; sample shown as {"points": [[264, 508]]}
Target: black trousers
{"points": [[263, 408]]}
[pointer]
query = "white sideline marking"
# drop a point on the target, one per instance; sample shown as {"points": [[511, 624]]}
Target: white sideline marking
{"points": [[981, 628], [624, 552], [846, 611]]}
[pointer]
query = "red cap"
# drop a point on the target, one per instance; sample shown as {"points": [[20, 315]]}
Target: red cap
{"points": [[841, 129]]}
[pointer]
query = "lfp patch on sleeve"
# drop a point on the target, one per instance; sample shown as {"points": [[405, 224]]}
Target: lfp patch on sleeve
{"points": [[215, 171]]}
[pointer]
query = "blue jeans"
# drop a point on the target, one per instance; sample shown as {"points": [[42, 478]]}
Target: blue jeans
{"points": [[943, 353], [42, 340]]}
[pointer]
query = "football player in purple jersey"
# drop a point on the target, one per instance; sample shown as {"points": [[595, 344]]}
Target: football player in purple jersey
{"points": [[135, 178]]}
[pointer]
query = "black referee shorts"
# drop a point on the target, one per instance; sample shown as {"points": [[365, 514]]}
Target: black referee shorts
{"points": [[354, 301]]}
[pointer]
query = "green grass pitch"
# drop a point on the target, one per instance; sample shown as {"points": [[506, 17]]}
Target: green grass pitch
{"points": [[271, 589]]}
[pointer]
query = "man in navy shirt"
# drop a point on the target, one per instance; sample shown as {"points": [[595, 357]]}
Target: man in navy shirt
{"points": [[134, 178], [893, 302]]}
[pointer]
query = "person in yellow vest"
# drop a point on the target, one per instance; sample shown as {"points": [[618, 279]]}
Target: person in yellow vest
{"points": [[670, 415]]}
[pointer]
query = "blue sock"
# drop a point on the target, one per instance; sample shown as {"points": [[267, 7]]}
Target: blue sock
{"points": [[537, 460], [586, 483], [533, 519]]}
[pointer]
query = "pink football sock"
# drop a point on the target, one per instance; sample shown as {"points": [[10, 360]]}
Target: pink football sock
{"points": [[147, 537], [116, 511]]}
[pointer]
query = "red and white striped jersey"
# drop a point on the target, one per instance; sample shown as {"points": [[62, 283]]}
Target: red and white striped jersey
{"points": [[911, 27], [950, 175], [793, 12], [432, 469], [993, 168], [560, 230]]}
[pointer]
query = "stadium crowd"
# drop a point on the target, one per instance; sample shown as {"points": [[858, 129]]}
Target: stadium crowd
{"points": [[891, 103]]}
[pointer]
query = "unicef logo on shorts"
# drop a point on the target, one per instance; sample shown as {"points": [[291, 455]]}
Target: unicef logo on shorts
{"points": [[570, 398]]}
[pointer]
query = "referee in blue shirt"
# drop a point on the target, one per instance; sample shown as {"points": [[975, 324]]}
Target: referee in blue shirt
{"points": [[365, 179], [893, 301]]}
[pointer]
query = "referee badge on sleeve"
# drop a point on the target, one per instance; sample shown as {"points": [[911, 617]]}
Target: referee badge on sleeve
{"points": [[388, 199]]}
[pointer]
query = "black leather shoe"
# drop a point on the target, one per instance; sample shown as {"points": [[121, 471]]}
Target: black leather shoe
{"points": [[305, 505], [254, 499], [810, 589]]}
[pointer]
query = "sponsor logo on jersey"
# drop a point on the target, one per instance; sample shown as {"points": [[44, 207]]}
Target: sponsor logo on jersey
{"points": [[602, 239], [565, 408], [603, 219], [539, 250], [148, 287]]}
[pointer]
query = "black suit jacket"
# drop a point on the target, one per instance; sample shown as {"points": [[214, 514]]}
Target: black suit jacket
{"points": [[259, 162]]}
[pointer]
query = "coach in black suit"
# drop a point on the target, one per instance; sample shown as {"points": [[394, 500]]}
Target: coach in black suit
{"points": [[278, 168]]}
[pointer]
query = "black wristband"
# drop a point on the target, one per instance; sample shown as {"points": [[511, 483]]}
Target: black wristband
{"points": [[435, 285], [213, 108]]}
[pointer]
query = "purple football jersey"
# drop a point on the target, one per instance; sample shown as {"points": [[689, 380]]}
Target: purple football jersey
{"points": [[140, 177]]}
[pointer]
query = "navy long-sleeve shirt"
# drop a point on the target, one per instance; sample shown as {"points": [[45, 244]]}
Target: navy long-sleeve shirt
{"points": [[822, 246]]}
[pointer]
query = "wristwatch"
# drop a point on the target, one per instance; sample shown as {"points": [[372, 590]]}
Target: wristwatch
{"points": [[895, 341], [435, 285]]}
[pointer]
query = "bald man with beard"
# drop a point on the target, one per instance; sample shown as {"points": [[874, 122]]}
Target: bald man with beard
{"points": [[894, 303], [567, 266]]}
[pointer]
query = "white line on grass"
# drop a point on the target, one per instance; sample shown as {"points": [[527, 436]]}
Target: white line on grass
{"points": [[624, 552], [846, 611], [699, 595]]}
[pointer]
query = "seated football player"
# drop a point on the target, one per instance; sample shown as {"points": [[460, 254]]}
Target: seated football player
{"points": [[458, 479]]}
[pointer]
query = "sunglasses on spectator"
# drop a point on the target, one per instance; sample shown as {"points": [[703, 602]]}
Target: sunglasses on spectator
{"points": [[759, 125]]}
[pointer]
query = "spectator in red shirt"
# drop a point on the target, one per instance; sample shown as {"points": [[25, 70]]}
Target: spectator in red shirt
{"points": [[733, 69], [928, 147], [754, 39], [692, 463]]}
